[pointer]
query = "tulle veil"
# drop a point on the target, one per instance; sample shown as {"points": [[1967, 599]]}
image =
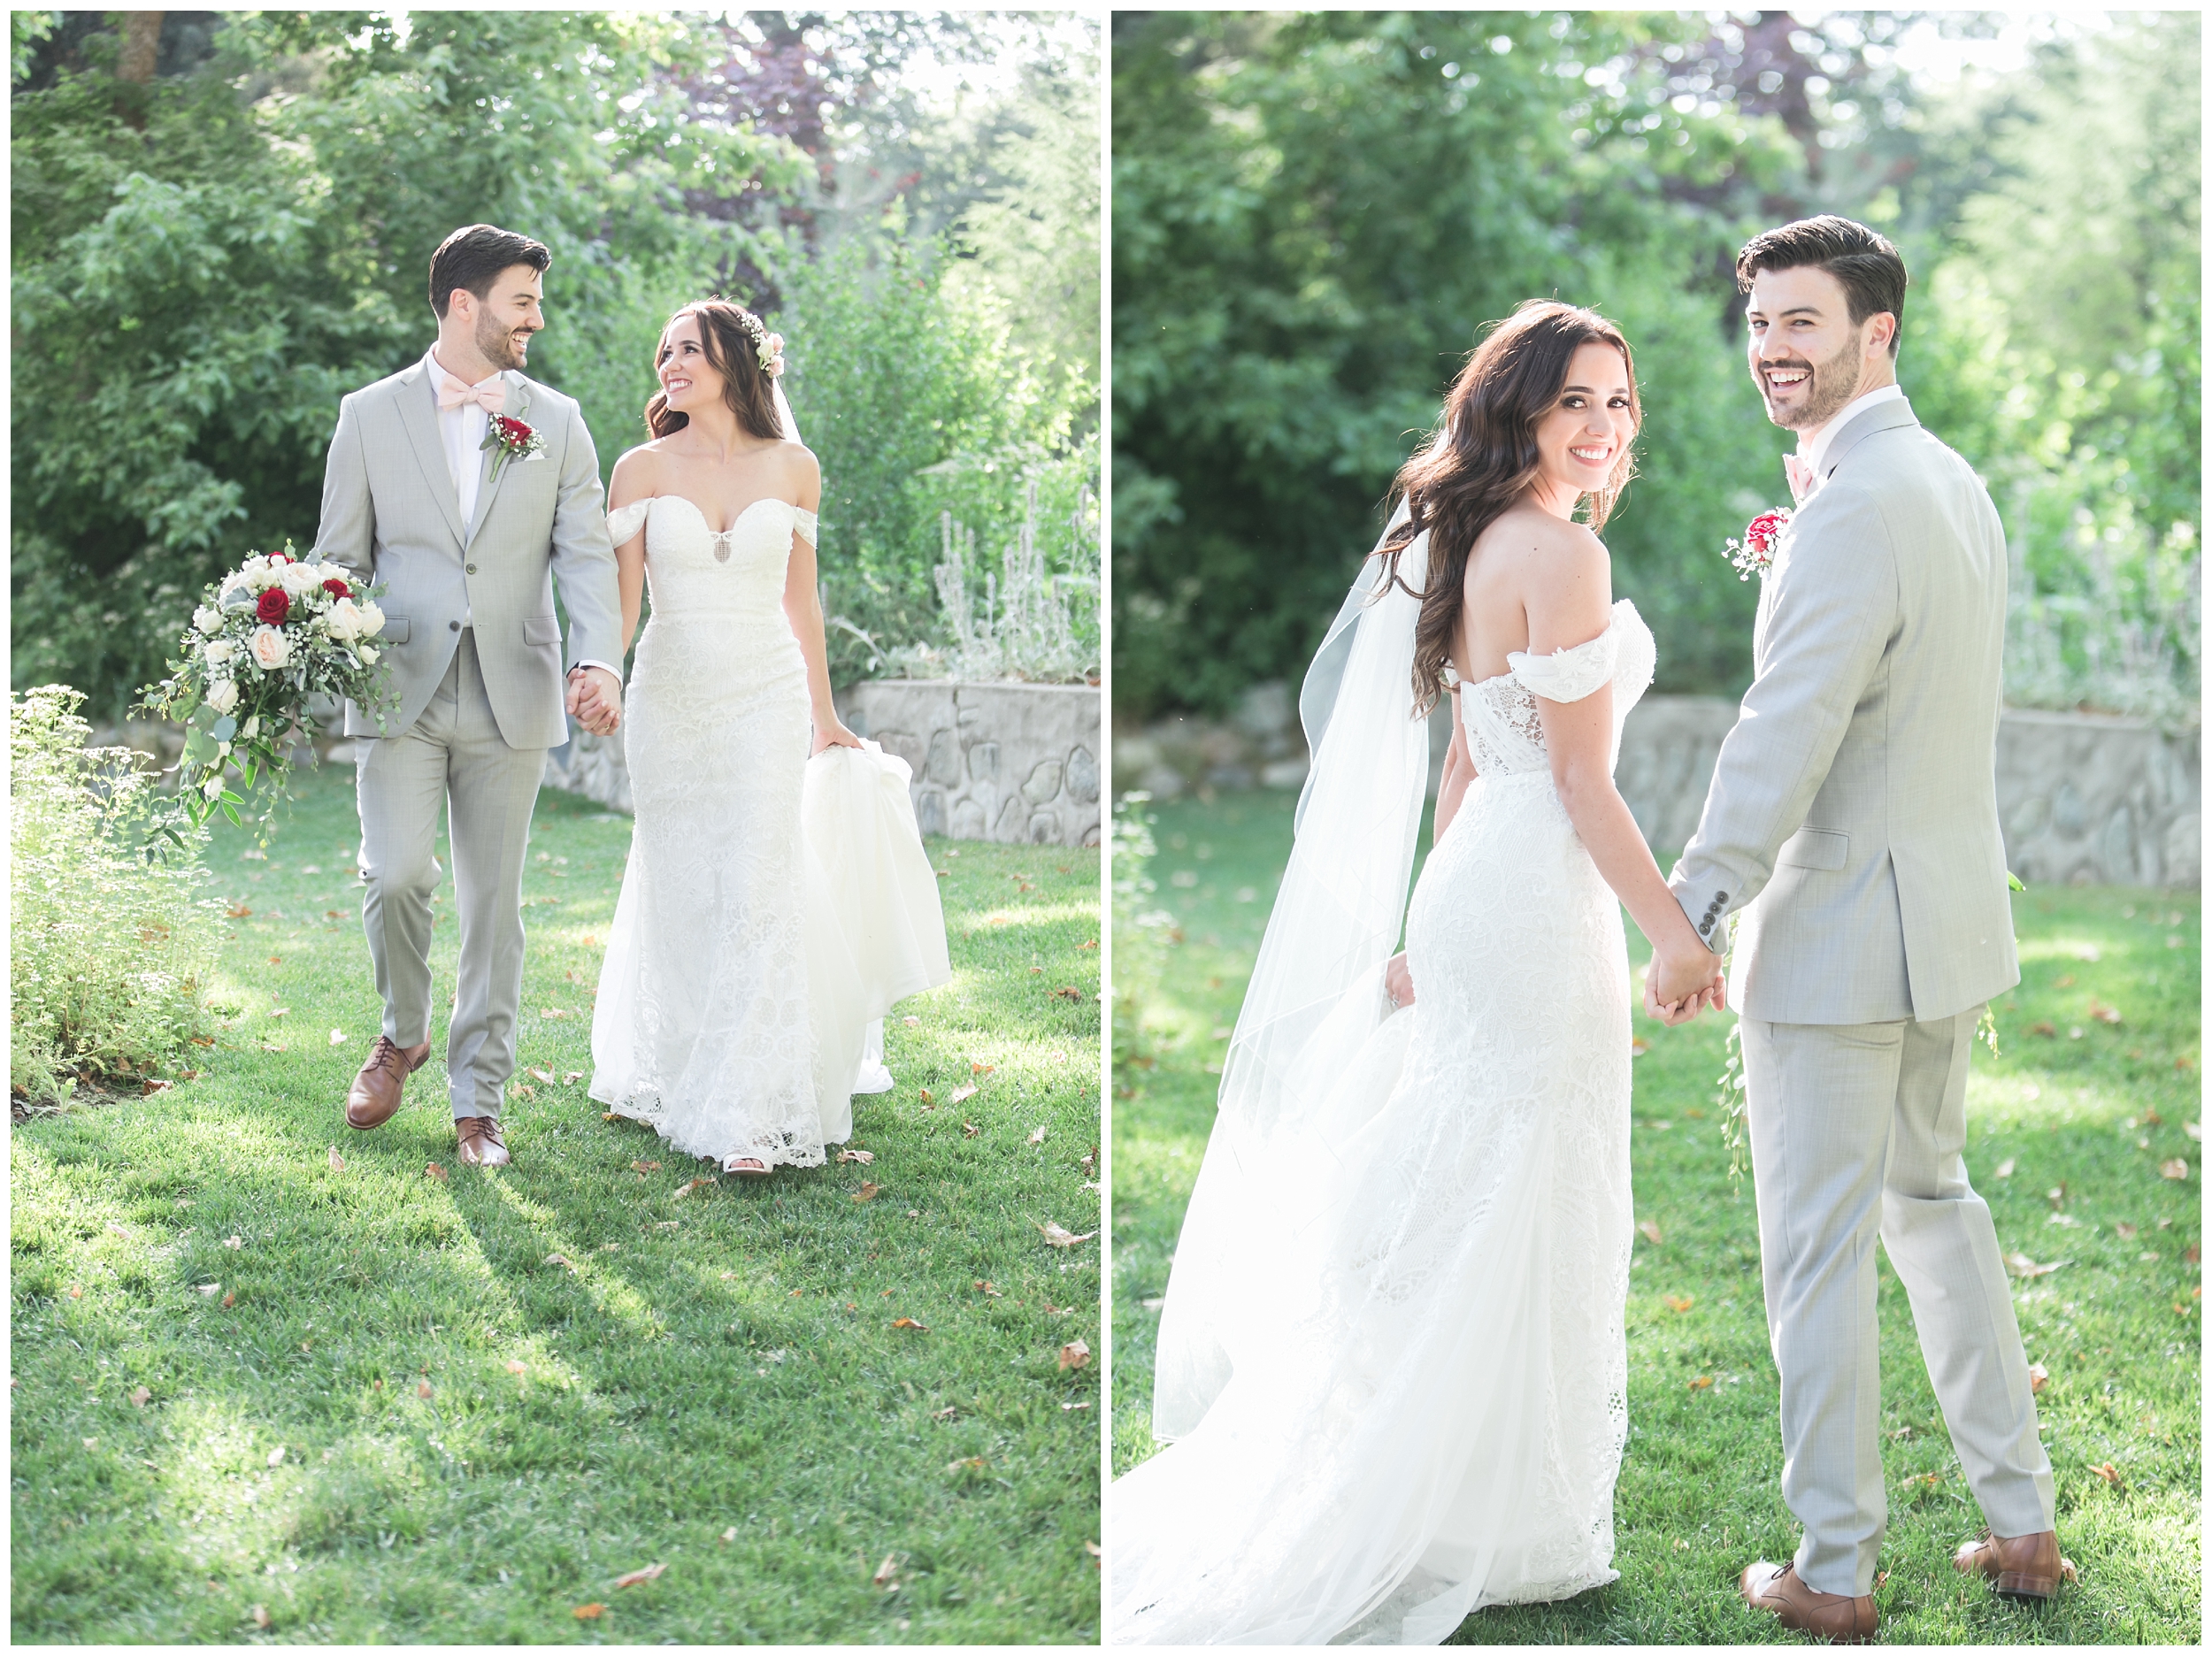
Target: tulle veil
{"points": [[1315, 995]]}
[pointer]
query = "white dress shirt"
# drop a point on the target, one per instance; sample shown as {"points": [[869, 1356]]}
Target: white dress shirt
{"points": [[461, 431], [1813, 452]]}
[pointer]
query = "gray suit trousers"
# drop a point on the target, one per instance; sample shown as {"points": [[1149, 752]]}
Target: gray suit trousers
{"points": [[1857, 1131], [452, 755]]}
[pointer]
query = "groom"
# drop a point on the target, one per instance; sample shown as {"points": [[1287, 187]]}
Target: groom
{"points": [[1852, 821], [467, 536]]}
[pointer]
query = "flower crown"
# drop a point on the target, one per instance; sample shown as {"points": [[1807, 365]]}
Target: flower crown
{"points": [[768, 345]]}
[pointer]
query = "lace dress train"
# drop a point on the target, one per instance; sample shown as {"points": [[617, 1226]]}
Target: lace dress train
{"points": [[1409, 1393], [741, 973]]}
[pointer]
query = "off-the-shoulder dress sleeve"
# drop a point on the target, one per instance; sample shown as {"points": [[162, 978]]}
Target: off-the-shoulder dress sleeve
{"points": [[625, 521], [809, 526], [1568, 675]]}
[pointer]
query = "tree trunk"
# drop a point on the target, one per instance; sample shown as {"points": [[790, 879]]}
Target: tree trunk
{"points": [[141, 47]]}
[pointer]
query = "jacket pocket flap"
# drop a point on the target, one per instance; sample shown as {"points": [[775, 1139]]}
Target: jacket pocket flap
{"points": [[393, 632], [541, 629], [1814, 848]]}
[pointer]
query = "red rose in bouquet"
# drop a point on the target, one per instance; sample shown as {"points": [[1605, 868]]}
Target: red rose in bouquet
{"points": [[274, 606], [337, 589]]}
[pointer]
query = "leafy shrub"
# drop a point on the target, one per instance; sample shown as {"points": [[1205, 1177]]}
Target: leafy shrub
{"points": [[1142, 932], [110, 946]]}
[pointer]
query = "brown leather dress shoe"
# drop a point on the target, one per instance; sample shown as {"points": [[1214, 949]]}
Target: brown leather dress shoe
{"points": [[1835, 1617], [2019, 1567], [376, 1090], [481, 1142]]}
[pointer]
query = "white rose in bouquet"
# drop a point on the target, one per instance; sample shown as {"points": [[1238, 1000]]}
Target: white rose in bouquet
{"points": [[372, 620], [344, 619], [366, 653], [222, 695], [219, 650], [209, 621], [299, 579], [270, 648]]}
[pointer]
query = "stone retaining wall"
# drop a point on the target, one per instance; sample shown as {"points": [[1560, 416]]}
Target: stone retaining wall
{"points": [[1017, 764], [2083, 798]]}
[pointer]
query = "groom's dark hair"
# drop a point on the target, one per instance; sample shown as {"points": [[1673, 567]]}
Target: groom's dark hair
{"points": [[472, 258], [1871, 270]]}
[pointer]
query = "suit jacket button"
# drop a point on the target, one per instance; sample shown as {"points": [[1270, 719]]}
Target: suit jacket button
{"points": [[472, 569], [1721, 897], [453, 625]]}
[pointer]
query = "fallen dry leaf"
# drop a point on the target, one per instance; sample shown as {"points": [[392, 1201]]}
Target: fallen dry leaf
{"points": [[545, 1076], [2176, 1169], [646, 1167], [559, 1259], [261, 1615], [572, 1076], [2152, 1118], [1059, 1236], [1650, 1229], [2005, 1167], [2195, 1130], [1068, 992], [967, 1129], [588, 1612], [961, 1094], [422, 1389], [1680, 1302], [862, 1156], [886, 1570], [908, 1322], [1075, 1354], [699, 1183], [337, 1037], [2039, 1376], [141, 1397], [209, 1288], [1039, 1136], [2190, 1254], [1703, 1383], [76, 1291], [973, 1463], [276, 1456], [911, 1022], [2102, 1013], [337, 1162], [867, 1192], [637, 1576], [729, 1533], [992, 1288], [2021, 1265], [976, 1065], [516, 1366], [234, 1243], [2041, 1027], [229, 1300], [2109, 1473], [434, 1172]]}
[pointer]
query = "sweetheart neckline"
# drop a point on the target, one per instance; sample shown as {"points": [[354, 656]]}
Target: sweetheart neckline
{"points": [[765, 500]]}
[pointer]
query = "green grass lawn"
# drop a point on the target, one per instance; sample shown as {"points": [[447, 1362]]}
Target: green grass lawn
{"points": [[2069, 1128], [254, 1388]]}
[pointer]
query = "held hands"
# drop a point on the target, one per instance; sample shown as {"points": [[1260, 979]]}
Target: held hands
{"points": [[834, 734], [594, 697], [1677, 987]]}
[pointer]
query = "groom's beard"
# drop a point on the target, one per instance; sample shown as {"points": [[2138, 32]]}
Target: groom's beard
{"points": [[497, 342], [1834, 383]]}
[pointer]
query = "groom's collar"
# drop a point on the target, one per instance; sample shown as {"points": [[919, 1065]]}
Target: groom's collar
{"points": [[1818, 457]]}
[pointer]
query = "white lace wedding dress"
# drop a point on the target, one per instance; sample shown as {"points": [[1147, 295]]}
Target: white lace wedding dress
{"points": [[773, 906], [1413, 1404]]}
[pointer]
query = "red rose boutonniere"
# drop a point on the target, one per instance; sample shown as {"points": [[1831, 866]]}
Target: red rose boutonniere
{"points": [[512, 440], [1762, 539]]}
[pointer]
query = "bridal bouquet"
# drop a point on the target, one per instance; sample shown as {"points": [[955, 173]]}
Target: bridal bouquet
{"points": [[271, 634]]}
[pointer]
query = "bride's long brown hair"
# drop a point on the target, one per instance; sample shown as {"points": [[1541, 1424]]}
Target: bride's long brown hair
{"points": [[728, 344], [1482, 457]]}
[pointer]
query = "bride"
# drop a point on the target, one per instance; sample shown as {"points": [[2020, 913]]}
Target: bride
{"points": [[1392, 1366], [773, 906]]}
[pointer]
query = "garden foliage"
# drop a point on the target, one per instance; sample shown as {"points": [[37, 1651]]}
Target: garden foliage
{"points": [[1315, 214], [109, 943]]}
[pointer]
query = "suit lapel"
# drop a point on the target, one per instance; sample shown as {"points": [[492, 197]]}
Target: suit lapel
{"points": [[487, 487], [418, 413], [1885, 417]]}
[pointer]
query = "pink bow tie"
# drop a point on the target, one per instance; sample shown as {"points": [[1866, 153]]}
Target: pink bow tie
{"points": [[489, 395], [1803, 481]]}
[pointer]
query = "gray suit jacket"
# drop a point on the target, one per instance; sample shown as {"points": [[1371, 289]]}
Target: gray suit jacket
{"points": [[1853, 814], [391, 514]]}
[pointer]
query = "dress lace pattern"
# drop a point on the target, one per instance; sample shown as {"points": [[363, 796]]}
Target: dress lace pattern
{"points": [[703, 1025], [1430, 1415]]}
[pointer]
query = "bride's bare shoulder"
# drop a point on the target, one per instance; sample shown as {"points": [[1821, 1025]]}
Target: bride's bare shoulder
{"points": [[635, 475]]}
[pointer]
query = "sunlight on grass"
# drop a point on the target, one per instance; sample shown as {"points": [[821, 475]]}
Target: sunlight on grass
{"points": [[2083, 1128]]}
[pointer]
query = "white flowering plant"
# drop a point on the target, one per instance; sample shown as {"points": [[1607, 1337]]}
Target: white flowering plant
{"points": [[271, 634]]}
